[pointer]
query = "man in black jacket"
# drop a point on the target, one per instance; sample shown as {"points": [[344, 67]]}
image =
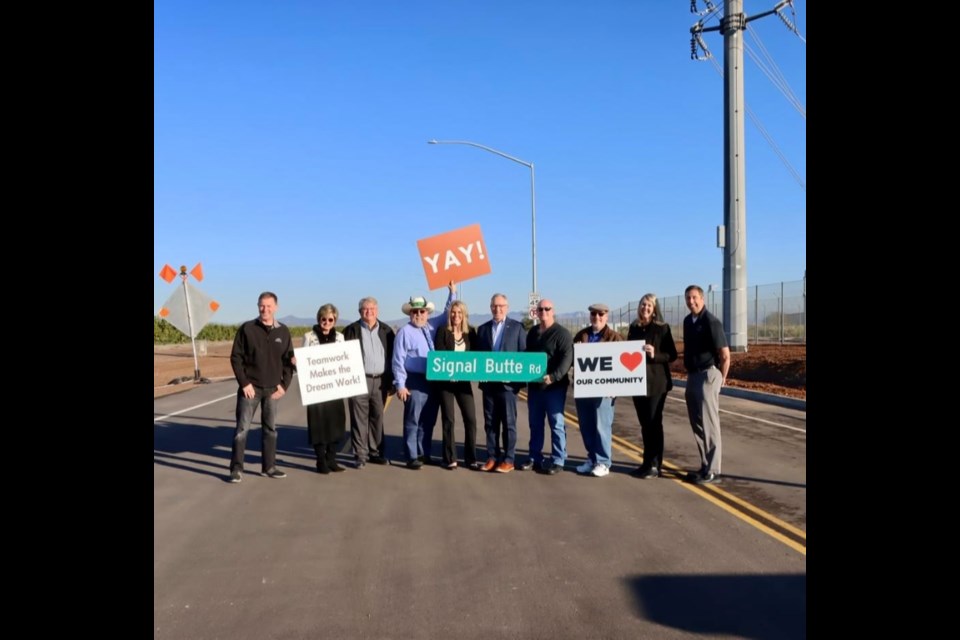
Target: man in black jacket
{"points": [[262, 362], [366, 411]]}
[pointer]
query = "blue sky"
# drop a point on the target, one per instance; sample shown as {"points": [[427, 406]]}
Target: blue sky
{"points": [[290, 149]]}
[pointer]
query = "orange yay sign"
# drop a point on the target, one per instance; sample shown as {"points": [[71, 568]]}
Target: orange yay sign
{"points": [[456, 255]]}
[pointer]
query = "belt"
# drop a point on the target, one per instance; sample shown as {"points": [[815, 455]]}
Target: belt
{"points": [[379, 375], [701, 369]]}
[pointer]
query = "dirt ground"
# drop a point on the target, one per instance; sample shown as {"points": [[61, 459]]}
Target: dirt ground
{"points": [[777, 369]]}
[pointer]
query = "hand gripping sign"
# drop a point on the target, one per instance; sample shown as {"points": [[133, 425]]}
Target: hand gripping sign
{"points": [[609, 369], [455, 255]]}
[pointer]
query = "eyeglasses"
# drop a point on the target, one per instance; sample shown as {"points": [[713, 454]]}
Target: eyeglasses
{"points": [[542, 309], [328, 320], [598, 313], [419, 311]]}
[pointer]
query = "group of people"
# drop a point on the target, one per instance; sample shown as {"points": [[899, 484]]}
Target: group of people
{"points": [[395, 363]]}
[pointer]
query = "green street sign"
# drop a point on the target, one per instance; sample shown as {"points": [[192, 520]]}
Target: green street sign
{"points": [[486, 366]]}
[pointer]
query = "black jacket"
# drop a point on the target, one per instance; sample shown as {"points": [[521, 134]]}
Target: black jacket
{"points": [[659, 379], [262, 355], [445, 341], [385, 331]]}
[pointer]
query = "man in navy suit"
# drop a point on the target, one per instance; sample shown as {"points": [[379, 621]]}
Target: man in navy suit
{"points": [[500, 398]]}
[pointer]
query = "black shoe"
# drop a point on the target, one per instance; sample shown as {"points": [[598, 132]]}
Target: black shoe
{"points": [[273, 473], [708, 478], [378, 460], [527, 465], [415, 464], [553, 469], [475, 466], [236, 476], [336, 468], [692, 476], [322, 467], [359, 464]]}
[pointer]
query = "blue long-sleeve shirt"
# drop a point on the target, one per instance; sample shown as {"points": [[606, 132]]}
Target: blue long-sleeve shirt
{"points": [[410, 347]]}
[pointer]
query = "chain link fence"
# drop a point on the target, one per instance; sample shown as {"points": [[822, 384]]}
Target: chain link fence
{"points": [[776, 313]]}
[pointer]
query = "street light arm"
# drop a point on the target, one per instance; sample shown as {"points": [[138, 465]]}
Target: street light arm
{"points": [[529, 165], [533, 197]]}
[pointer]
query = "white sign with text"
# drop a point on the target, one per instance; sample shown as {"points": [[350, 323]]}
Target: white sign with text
{"points": [[330, 371], [609, 369]]}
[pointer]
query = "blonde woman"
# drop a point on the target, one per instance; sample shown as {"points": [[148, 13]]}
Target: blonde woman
{"points": [[660, 351], [326, 421], [457, 335]]}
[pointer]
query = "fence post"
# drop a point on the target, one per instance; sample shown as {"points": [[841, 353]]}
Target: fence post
{"points": [[756, 314], [781, 312], [804, 306]]}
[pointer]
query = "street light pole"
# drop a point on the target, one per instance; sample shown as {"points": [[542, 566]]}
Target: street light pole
{"points": [[533, 195]]}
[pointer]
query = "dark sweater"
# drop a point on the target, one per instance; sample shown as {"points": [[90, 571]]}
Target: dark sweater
{"points": [[557, 343], [262, 355]]}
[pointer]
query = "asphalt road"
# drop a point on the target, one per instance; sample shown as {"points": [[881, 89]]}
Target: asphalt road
{"points": [[385, 552]]}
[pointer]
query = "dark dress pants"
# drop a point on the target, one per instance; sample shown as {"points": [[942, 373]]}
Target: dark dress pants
{"points": [[650, 415], [460, 393]]}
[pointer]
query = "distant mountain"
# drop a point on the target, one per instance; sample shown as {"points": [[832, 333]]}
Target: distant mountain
{"points": [[293, 321]]}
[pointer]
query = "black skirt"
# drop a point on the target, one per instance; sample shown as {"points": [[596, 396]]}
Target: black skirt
{"points": [[326, 422]]}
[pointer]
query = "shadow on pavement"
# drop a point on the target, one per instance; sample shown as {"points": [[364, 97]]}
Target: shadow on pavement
{"points": [[760, 607]]}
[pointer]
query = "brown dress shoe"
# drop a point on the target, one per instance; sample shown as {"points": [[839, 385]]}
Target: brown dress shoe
{"points": [[505, 467], [491, 463]]}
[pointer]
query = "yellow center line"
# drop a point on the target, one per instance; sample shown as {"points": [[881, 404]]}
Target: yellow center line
{"points": [[714, 494]]}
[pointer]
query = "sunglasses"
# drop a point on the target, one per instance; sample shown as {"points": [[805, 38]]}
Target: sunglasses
{"points": [[419, 311], [598, 313], [328, 319], [542, 309]]}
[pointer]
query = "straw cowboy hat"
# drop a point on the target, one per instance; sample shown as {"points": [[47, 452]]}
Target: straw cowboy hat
{"points": [[417, 302]]}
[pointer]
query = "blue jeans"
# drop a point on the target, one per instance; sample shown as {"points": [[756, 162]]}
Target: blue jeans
{"points": [[547, 404], [596, 427], [246, 407], [419, 416]]}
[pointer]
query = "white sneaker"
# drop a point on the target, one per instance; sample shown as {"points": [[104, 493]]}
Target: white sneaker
{"points": [[600, 470], [586, 467]]}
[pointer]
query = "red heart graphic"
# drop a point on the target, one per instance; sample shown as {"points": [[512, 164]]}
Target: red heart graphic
{"points": [[631, 360]]}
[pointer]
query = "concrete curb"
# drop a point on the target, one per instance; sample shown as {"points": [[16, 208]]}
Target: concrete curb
{"points": [[756, 396]]}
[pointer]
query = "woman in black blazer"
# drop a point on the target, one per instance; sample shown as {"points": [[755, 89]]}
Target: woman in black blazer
{"points": [[457, 335], [660, 352]]}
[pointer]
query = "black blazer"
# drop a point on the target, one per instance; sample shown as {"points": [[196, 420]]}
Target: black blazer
{"points": [[444, 340], [659, 379]]}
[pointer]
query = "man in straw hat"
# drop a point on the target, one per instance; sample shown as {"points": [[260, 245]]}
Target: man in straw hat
{"points": [[421, 403]]}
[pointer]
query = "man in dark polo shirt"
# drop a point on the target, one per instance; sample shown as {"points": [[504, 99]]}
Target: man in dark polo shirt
{"points": [[706, 357]]}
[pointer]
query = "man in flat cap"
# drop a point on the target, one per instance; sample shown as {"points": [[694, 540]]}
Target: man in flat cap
{"points": [[421, 402], [596, 414]]}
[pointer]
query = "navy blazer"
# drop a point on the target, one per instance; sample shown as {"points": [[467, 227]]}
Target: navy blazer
{"points": [[514, 339]]}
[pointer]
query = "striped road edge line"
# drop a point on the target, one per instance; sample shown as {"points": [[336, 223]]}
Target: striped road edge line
{"points": [[768, 523]]}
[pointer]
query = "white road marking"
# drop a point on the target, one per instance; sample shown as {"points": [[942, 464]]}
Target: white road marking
{"points": [[743, 415], [176, 413]]}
